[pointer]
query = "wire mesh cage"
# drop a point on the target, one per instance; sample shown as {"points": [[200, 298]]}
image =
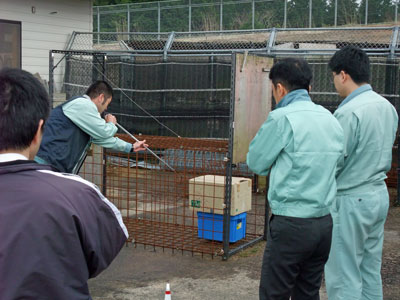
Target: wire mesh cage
{"points": [[179, 98]]}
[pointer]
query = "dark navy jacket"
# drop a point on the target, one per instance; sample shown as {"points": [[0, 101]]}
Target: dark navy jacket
{"points": [[56, 231], [64, 144]]}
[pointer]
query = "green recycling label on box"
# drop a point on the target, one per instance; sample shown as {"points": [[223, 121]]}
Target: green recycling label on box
{"points": [[195, 203]]}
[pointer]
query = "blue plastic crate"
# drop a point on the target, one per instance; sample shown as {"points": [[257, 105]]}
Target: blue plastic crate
{"points": [[210, 226]]}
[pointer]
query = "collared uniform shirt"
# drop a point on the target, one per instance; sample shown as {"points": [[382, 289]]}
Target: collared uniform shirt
{"points": [[84, 114], [369, 122], [300, 143]]}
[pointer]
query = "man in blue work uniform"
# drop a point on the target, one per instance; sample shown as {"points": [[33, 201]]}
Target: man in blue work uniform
{"points": [[75, 124], [359, 212], [300, 144]]}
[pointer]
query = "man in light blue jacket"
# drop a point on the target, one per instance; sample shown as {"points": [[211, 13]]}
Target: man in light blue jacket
{"points": [[359, 212], [74, 125], [299, 144]]}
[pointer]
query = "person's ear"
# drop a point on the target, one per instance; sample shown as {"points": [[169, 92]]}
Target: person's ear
{"points": [[343, 76], [39, 132], [281, 90]]}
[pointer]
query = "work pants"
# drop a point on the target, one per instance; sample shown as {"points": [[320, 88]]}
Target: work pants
{"points": [[294, 258], [353, 269]]}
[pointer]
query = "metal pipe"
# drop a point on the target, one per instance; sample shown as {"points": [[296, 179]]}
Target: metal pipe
{"points": [[148, 149], [285, 15], [158, 18], [253, 10], [221, 11], [129, 19], [336, 12], [310, 14], [190, 15], [98, 26], [366, 12]]}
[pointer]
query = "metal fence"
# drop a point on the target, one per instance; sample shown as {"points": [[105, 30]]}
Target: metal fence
{"points": [[176, 90], [207, 15], [377, 40]]}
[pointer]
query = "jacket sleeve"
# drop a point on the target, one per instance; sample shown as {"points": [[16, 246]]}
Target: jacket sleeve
{"points": [[102, 231], [84, 114], [265, 147], [350, 125]]}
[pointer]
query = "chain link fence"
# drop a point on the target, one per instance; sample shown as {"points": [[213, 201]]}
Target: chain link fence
{"points": [[207, 15]]}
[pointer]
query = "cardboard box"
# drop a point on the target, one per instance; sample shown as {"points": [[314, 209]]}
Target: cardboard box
{"points": [[207, 194]]}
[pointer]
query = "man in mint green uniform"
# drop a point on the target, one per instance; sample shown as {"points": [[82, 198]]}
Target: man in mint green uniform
{"points": [[75, 124], [359, 212], [300, 144]]}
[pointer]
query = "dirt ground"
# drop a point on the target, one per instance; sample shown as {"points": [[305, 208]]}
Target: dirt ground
{"points": [[142, 272]]}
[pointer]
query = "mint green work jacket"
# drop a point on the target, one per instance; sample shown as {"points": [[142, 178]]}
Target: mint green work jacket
{"points": [[369, 122], [84, 114], [300, 143]]}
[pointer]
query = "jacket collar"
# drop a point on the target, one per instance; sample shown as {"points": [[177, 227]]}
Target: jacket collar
{"points": [[362, 89], [294, 96]]}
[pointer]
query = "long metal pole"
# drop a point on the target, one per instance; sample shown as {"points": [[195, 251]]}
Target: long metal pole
{"points": [[285, 15], [148, 149], [159, 18], [190, 15], [366, 12], [335, 13], [98, 25], [253, 10], [129, 18], [310, 14], [221, 11]]}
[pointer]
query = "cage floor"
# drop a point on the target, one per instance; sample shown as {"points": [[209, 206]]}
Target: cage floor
{"points": [[176, 237]]}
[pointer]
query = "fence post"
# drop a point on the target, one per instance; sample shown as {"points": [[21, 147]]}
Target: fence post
{"points": [[98, 25], [158, 18], [285, 15], [366, 12], [190, 15], [129, 19], [271, 40], [335, 13], [310, 14], [221, 11], [228, 165], [253, 10], [51, 78]]}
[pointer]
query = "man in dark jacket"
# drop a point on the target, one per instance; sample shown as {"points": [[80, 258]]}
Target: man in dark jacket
{"points": [[56, 230]]}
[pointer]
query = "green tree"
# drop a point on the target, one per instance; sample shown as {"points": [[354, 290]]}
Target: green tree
{"points": [[378, 11]]}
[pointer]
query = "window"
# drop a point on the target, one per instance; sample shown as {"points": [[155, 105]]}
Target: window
{"points": [[10, 44]]}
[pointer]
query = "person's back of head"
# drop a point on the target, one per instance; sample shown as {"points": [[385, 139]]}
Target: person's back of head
{"points": [[99, 87], [353, 61], [23, 103], [292, 73]]}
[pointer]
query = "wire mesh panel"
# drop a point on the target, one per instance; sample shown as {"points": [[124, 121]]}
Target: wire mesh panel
{"points": [[215, 41], [325, 39]]}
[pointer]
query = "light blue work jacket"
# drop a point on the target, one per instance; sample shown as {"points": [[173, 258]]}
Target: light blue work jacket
{"points": [[300, 142], [369, 122]]}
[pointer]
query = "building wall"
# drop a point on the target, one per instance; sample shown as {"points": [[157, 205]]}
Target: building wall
{"points": [[47, 25]]}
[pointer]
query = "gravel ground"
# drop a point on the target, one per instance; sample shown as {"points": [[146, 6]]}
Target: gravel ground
{"points": [[141, 273]]}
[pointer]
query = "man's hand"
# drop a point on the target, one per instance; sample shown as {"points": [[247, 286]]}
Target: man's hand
{"points": [[139, 146], [110, 118]]}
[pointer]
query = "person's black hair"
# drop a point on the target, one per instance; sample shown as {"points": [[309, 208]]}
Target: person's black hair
{"points": [[292, 73], [99, 87], [23, 103], [353, 61]]}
